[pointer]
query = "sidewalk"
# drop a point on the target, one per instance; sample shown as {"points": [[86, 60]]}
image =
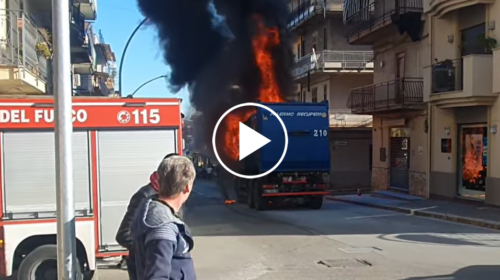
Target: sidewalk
{"points": [[482, 216]]}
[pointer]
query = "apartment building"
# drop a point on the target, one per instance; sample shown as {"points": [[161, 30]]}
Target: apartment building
{"points": [[462, 83], [397, 33], [26, 49], [100, 79], [326, 68]]}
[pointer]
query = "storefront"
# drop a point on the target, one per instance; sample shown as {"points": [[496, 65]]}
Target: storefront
{"points": [[399, 159], [462, 154], [472, 160]]}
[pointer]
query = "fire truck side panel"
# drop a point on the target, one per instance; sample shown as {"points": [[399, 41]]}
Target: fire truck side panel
{"points": [[16, 233], [29, 174], [126, 159]]}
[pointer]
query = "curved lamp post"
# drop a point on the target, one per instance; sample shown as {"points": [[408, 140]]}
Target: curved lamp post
{"points": [[145, 83], [125, 51]]}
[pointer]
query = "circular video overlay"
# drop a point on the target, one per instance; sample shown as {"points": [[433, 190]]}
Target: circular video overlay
{"points": [[250, 140]]}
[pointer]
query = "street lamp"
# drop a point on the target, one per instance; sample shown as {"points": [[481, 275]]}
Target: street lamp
{"points": [[145, 83], [125, 51]]}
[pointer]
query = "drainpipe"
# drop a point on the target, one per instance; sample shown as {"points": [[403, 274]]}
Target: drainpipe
{"points": [[429, 114]]}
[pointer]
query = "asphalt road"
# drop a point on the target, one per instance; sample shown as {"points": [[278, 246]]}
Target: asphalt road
{"points": [[340, 241]]}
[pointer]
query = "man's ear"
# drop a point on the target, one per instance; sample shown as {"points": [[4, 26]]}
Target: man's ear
{"points": [[186, 189]]}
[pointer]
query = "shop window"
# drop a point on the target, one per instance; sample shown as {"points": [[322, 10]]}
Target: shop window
{"points": [[473, 161]]}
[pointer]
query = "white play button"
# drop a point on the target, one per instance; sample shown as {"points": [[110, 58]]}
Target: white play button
{"points": [[250, 141]]}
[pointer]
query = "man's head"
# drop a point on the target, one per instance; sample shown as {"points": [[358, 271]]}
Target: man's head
{"points": [[169, 155], [176, 176]]}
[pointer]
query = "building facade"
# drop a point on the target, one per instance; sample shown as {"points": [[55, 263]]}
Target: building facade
{"points": [[462, 83], [326, 68], [434, 97], [395, 29], [26, 49]]}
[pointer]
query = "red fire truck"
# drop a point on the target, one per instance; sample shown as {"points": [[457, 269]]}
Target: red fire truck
{"points": [[117, 143]]}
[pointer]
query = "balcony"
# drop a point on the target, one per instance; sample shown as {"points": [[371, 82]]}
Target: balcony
{"points": [[389, 97], [83, 57], [369, 21], [101, 87], [345, 118], [77, 28], [310, 9], [333, 61], [440, 8], [88, 8], [463, 82], [23, 65], [90, 85]]}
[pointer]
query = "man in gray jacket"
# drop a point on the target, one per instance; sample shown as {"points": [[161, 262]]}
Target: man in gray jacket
{"points": [[124, 234], [162, 242]]}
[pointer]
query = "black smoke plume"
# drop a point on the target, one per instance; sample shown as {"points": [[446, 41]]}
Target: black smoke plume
{"points": [[208, 45]]}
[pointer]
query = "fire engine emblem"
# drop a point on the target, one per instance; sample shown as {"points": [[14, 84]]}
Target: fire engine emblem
{"points": [[323, 115], [123, 117]]}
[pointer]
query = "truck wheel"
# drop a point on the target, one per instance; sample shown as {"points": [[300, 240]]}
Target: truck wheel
{"points": [[260, 202], [240, 198], [316, 202], [41, 264]]}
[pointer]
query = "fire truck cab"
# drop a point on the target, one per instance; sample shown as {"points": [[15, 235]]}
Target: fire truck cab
{"points": [[117, 143]]}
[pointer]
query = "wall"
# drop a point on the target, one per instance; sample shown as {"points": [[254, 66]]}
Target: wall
{"points": [[335, 40], [355, 146], [493, 180], [451, 25], [339, 87], [444, 173], [342, 84], [385, 61]]}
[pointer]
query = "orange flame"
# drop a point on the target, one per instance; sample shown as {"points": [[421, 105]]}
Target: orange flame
{"points": [[472, 162], [262, 45]]}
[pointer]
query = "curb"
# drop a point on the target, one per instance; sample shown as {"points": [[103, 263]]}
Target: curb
{"points": [[427, 214]]}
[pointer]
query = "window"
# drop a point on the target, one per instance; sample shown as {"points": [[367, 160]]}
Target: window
{"points": [[325, 92], [472, 40], [325, 39], [314, 95], [298, 50]]}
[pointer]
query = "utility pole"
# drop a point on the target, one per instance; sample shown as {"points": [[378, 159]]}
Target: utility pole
{"points": [[66, 243]]}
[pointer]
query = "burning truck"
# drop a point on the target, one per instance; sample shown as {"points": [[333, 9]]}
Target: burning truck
{"points": [[229, 52], [300, 177]]}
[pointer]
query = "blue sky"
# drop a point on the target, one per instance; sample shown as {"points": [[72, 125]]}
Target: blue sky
{"points": [[143, 60]]}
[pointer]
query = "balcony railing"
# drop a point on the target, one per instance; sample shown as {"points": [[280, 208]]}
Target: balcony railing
{"points": [[363, 15], [18, 43], [335, 60], [78, 23], [395, 94], [447, 76], [89, 42], [101, 87], [346, 118], [307, 9]]}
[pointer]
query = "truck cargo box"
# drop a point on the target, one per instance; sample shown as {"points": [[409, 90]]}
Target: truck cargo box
{"points": [[307, 127]]}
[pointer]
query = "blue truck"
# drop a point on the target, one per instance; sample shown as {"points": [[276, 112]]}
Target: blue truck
{"points": [[300, 178]]}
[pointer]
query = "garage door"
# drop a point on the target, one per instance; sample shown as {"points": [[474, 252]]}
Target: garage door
{"points": [[30, 177], [126, 160]]}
